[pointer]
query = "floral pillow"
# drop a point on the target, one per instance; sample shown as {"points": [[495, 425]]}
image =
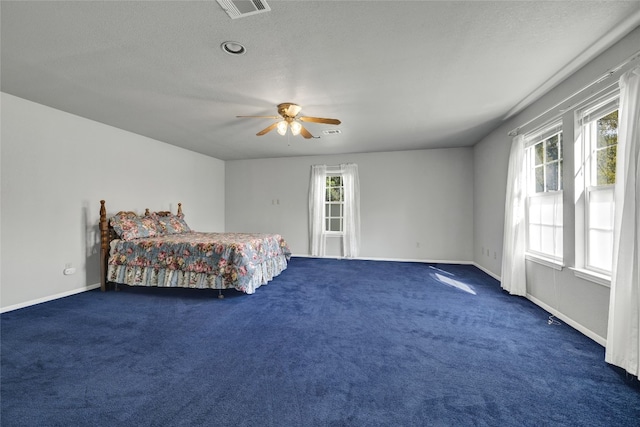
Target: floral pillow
{"points": [[172, 224], [129, 227]]}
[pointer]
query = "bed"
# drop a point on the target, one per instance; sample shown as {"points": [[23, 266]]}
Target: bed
{"points": [[159, 249]]}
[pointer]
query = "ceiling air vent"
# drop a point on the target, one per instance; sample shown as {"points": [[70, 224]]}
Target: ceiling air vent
{"points": [[331, 131], [241, 8]]}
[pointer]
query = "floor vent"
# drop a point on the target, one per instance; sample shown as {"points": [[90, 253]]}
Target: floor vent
{"points": [[241, 8]]}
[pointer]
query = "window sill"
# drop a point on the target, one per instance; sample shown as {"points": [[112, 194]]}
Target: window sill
{"points": [[333, 234], [592, 276], [548, 262]]}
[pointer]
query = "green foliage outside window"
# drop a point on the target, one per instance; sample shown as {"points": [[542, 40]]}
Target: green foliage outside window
{"points": [[606, 149], [334, 189]]}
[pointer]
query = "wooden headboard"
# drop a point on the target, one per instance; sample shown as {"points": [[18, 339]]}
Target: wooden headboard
{"points": [[107, 234]]}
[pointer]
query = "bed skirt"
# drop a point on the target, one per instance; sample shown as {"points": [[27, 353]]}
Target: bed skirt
{"points": [[168, 278]]}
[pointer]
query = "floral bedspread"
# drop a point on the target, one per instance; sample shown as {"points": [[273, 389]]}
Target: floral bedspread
{"points": [[199, 260]]}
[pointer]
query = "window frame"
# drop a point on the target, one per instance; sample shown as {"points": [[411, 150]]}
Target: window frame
{"points": [[328, 203], [545, 163], [532, 139], [587, 122]]}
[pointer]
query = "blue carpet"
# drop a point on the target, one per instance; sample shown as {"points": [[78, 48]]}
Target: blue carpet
{"points": [[327, 343]]}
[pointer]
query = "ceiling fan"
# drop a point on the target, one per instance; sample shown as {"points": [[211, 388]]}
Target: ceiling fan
{"points": [[288, 118]]}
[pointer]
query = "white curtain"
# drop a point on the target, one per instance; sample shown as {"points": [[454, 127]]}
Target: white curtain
{"points": [[513, 276], [351, 238], [316, 209], [623, 332]]}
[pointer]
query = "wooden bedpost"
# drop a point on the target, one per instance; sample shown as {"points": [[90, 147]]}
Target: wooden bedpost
{"points": [[104, 246], [179, 209]]}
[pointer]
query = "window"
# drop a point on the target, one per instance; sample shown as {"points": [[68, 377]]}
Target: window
{"points": [[547, 164], [599, 130], [334, 204], [543, 162], [334, 208], [605, 148]]}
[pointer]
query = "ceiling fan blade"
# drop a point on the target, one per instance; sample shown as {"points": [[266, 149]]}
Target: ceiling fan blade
{"points": [[267, 129], [305, 133], [260, 117], [320, 120]]}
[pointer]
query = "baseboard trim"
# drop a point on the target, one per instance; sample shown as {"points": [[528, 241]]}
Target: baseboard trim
{"points": [[49, 298], [495, 276], [566, 319], [569, 321], [424, 261]]}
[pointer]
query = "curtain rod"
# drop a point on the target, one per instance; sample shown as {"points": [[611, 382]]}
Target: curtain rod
{"points": [[337, 168], [610, 73]]}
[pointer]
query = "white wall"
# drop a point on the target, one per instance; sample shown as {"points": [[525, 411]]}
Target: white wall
{"points": [[581, 303], [409, 198], [56, 167]]}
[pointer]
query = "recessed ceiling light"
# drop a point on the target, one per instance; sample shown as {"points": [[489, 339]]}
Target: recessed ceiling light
{"points": [[233, 48]]}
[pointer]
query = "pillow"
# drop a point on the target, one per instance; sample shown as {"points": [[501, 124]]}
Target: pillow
{"points": [[171, 224], [129, 227]]}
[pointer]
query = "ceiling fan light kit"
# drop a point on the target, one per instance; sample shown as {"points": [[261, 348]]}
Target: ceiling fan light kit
{"points": [[288, 118], [295, 128], [282, 128]]}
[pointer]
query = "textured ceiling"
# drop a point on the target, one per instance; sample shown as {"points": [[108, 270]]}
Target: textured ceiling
{"points": [[401, 75]]}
